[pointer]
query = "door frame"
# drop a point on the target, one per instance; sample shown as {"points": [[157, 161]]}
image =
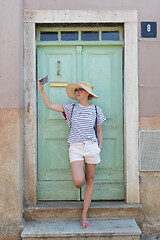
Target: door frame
{"points": [[129, 18]]}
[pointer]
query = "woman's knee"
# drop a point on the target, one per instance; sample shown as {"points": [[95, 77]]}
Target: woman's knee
{"points": [[90, 181], [78, 181], [77, 172]]}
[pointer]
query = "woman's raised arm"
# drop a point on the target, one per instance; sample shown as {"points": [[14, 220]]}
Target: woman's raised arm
{"points": [[49, 105]]}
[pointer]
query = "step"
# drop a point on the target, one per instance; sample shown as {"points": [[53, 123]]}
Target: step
{"points": [[72, 211], [115, 229]]}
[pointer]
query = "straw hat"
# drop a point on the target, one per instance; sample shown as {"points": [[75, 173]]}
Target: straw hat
{"points": [[72, 86]]}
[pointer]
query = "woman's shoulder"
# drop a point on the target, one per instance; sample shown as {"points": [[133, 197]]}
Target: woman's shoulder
{"points": [[68, 107], [68, 104]]}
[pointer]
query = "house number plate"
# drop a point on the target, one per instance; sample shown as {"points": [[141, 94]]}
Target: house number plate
{"points": [[148, 29]]}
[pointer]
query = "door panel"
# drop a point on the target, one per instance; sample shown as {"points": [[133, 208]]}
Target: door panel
{"points": [[105, 73], [101, 66], [54, 174]]}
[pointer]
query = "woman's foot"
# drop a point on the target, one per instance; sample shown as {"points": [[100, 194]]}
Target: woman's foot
{"points": [[85, 223]]}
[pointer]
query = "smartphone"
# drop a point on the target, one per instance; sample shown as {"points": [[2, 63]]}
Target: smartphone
{"points": [[44, 80]]}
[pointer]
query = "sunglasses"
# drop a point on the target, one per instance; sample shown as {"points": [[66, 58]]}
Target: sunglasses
{"points": [[78, 90]]}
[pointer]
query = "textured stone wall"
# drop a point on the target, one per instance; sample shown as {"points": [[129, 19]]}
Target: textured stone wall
{"points": [[150, 200], [11, 180]]}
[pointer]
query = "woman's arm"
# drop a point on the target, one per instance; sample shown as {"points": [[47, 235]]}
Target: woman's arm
{"points": [[99, 135], [49, 105]]}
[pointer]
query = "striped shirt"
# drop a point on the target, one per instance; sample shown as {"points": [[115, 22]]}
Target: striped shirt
{"points": [[83, 122]]}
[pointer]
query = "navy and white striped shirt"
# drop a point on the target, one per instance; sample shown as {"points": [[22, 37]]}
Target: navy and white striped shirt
{"points": [[83, 122]]}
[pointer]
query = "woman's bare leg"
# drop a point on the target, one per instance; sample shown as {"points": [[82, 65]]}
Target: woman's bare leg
{"points": [[89, 175], [77, 172], [78, 178]]}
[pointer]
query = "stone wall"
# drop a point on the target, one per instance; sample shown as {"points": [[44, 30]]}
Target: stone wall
{"points": [[149, 197], [11, 172]]}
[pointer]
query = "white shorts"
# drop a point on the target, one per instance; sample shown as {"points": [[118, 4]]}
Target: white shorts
{"points": [[87, 151]]}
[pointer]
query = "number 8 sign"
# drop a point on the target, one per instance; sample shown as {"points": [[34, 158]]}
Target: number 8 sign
{"points": [[148, 29]]}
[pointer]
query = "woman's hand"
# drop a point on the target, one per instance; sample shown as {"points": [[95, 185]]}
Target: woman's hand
{"points": [[100, 146], [39, 85]]}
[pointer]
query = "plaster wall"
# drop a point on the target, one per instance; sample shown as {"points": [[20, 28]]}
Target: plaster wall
{"points": [[11, 119], [11, 54]]}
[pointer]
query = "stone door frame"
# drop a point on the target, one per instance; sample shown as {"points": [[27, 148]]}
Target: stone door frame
{"points": [[130, 81]]}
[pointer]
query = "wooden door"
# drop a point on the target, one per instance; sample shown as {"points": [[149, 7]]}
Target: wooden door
{"points": [[101, 66]]}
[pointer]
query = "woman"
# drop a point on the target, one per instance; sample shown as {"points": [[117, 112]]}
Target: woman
{"points": [[84, 146]]}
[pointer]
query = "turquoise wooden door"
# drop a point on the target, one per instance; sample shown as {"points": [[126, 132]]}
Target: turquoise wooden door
{"points": [[101, 66]]}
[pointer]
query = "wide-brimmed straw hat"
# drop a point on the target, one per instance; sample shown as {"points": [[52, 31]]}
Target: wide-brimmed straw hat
{"points": [[85, 85]]}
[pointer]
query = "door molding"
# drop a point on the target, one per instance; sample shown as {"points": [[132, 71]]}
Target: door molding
{"points": [[130, 77]]}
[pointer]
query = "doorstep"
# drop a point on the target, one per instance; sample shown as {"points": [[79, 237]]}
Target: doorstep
{"points": [[125, 229], [71, 210]]}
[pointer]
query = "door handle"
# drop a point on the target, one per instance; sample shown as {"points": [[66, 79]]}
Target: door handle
{"points": [[58, 74]]}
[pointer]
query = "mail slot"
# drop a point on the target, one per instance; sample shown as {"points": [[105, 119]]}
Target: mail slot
{"points": [[58, 84]]}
